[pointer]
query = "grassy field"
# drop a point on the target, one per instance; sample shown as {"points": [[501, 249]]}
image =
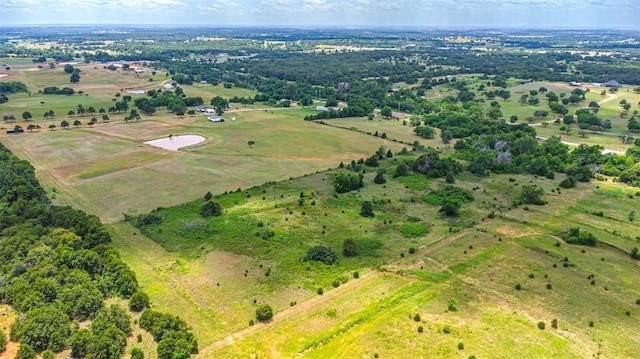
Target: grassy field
{"points": [[478, 265]]}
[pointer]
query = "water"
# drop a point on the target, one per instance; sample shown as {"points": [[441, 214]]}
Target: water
{"points": [[174, 143]]}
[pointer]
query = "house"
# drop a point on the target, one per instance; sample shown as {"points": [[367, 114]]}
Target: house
{"points": [[18, 130], [322, 108], [575, 84], [209, 110], [201, 108], [203, 82], [612, 83], [168, 86], [216, 119]]}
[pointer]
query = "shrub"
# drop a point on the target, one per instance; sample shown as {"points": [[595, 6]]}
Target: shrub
{"points": [[532, 195], [420, 329], [518, 286], [3, 342], [139, 301], [349, 248], [574, 236], [343, 182], [320, 291], [264, 313], [413, 230], [417, 317], [451, 207], [26, 351], [446, 329], [210, 209], [554, 324], [452, 305], [461, 345], [541, 325], [136, 353], [367, 209], [48, 355], [356, 275], [379, 179], [591, 323], [321, 254], [568, 182], [549, 286]]}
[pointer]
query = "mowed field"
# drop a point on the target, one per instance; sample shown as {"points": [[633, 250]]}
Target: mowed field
{"points": [[107, 170], [216, 280]]}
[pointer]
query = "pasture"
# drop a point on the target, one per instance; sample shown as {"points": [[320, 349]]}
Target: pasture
{"points": [[215, 270]]}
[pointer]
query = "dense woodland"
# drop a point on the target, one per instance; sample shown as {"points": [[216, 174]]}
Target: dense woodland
{"points": [[57, 270]]}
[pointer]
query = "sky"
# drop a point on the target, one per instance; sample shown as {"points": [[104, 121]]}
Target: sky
{"points": [[612, 14]]}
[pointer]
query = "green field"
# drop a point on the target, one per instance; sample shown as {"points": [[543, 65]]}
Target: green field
{"points": [[506, 266]]}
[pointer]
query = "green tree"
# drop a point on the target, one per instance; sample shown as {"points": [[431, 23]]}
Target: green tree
{"points": [[68, 68], [26, 116], [366, 210], [425, 132], [349, 248], [532, 194], [379, 178], [386, 112], [210, 209], [77, 123], [64, 124], [80, 343], [450, 178], [251, 143], [264, 313], [26, 351], [446, 136], [75, 77], [45, 327], [451, 207], [139, 301], [137, 353], [401, 170]]}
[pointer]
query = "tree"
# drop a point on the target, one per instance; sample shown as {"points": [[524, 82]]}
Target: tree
{"points": [[349, 248], [446, 136], [401, 170], [68, 68], [532, 194], [26, 115], [137, 353], [31, 127], [139, 301], [379, 179], [26, 351], [366, 210], [386, 112], [105, 118], [52, 127], [264, 313], [321, 254], [425, 132], [210, 209], [75, 77], [77, 123], [251, 143], [451, 207], [80, 342], [64, 124], [450, 178]]}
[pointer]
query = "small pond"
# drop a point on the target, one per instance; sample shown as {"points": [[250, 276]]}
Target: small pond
{"points": [[173, 143]]}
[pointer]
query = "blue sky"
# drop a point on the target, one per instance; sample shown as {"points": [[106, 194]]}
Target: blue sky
{"points": [[416, 13]]}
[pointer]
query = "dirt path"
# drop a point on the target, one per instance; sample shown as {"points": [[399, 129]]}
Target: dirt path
{"points": [[610, 97], [306, 306]]}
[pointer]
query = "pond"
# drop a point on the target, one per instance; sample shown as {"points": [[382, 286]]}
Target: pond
{"points": [[173, 143]]}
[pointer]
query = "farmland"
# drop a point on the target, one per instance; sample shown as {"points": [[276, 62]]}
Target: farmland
{"points": [[432, 246]]}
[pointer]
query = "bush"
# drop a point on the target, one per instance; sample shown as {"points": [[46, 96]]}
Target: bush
{"points": [[320, 291], [343, 183], [321, 254], [532, 195], [367, 209], [417, 317], [413, 230], [136, 353], [554, 324], [574, 236], [446, 329], [264, 313], [349, 248], [541, 325], [3, 342], [420, 329], [139, 301], [461, 345], [356, 275], [210, 209], [518, 286], [48, 355], [568, 182], [591, 323], [452, 305], [26, 351]]}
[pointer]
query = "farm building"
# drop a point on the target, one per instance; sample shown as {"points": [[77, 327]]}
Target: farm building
{"points": [[201, 108], [612, 83], [216, 119], [576, 84]]}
